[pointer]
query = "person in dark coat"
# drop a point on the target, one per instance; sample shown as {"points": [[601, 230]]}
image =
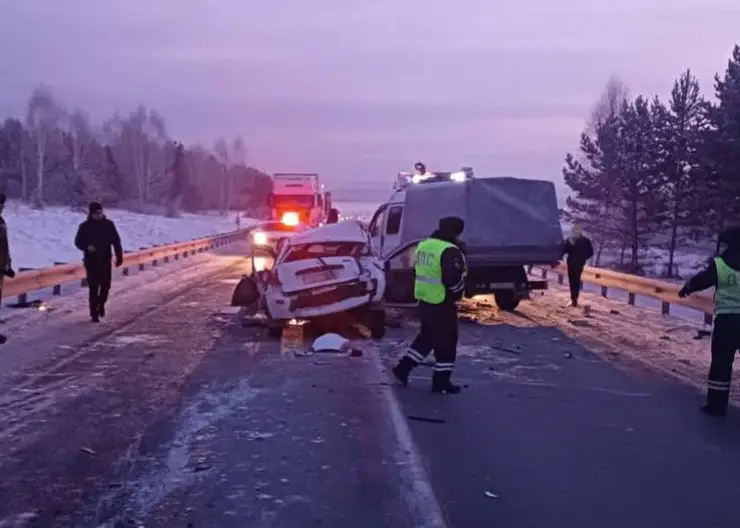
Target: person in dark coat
{"points": [[97, 238], [6, 268], [578, 249], [723, 274]]}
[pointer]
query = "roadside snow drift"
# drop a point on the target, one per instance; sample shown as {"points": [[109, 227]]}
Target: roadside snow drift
{"points": [[39, 238]]}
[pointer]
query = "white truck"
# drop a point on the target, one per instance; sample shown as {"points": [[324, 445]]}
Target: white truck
{"points": [[299, 198], [510, 223]]}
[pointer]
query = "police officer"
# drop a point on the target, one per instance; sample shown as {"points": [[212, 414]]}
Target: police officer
{"points": [[440, 282], [95, 238], [723, 273]]}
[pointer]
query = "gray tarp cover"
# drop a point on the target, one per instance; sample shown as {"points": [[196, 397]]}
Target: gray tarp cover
{"points": [[507, 220]]}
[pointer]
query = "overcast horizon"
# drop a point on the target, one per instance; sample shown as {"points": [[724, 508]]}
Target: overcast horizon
{"points": [[358, 93]]}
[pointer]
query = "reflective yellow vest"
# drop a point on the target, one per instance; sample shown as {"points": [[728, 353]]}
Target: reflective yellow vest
{"points": [[727, 293], [428, 286]]}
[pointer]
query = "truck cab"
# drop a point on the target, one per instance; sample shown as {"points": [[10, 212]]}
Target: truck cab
{"points": [[299, 196]]}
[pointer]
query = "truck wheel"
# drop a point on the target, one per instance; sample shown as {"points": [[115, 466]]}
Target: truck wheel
{"points": [[506, 300], [376, 322]]}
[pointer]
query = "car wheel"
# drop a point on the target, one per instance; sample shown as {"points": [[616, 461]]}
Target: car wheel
{"points": [[376, 320], [245, 293], [506, 300], [275, 331]]}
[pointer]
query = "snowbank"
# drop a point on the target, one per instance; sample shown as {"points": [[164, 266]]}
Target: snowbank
{"points": [[39, 238]]}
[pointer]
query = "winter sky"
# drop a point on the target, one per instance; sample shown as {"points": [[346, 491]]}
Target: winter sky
{"points": [[361, 89]]}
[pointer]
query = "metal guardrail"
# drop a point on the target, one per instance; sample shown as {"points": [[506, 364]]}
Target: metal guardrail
{"points": [[54, 277], [634, 286]]}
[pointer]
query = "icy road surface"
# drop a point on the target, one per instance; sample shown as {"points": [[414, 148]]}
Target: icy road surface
{"points": [[174, 413]]}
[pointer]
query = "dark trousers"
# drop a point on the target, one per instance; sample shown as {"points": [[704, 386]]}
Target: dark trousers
{"points": [[575, 270], [99, 276], [725, 344], [438, 333]]}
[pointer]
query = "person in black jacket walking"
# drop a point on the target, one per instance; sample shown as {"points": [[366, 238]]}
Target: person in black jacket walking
{"points": [[578, 249], [96, 237]]}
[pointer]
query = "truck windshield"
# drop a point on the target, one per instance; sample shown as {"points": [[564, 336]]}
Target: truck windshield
{"points": [[282, 201]]}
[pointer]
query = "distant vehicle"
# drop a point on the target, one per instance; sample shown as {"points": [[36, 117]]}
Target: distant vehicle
{"points": [[299, 197], [510, 223], [264, 239], [321, 272]]}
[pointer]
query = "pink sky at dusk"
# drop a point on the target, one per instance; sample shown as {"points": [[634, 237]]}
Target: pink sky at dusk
{"points": [[358, 91]]}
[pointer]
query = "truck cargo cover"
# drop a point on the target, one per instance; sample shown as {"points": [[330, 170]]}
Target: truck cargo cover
{"points": [[507, 220]]}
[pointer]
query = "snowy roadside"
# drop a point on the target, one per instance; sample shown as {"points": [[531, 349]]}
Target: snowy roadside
{"points": [[40, 238]]}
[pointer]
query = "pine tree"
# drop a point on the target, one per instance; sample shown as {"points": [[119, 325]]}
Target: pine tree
{"points": [[722, 144], [680, 128], [591, 182], [637, 183]]}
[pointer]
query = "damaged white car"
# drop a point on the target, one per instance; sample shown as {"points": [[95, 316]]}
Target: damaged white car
{"points": [[322, 272]]}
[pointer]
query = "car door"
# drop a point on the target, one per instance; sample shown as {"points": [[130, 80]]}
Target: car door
{"points": [[400, 276], [392, 229], [376, 227]]}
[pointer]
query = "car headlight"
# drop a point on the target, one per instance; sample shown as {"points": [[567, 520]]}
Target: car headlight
{"points": [[259, 238]]}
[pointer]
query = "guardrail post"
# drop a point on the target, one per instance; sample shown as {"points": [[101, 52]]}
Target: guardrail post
{"points": [[665, 308], [604, 291], [57, 289], [166, 259], [23, 297], [708, 318], [631, 298], [142, 266]]}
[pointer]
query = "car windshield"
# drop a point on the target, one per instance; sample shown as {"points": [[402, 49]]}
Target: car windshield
{"points": [[276, 226], [326, 249]]}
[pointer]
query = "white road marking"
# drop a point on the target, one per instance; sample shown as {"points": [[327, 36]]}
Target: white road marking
{"points": [[417, 490]]}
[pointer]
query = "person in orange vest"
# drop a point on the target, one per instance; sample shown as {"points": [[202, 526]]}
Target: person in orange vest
{"points": [[723, 274]]}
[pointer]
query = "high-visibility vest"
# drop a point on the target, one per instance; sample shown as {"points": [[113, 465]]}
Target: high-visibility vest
{"points": [[428, 286], [727, 293]]}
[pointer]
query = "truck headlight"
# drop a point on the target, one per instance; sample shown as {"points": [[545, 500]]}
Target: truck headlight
{"points": [[259, 238]]}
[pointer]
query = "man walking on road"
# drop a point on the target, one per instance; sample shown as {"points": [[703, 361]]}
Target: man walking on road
{"points": [[440, 282], [95, 238], [6, 269], [578, 249], [722, 273]]}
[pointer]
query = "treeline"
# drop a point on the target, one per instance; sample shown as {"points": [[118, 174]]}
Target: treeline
{"points": [[652, 172], [57, 156]]}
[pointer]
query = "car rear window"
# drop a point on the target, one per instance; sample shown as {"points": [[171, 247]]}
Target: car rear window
{"points": [[327, 249]]}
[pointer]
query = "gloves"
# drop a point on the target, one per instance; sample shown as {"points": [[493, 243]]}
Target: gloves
{"points": [[119, 262], [10, 273], [684, 292]]}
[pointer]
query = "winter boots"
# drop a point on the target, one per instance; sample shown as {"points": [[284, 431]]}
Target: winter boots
{"points": [[441, 383], [717, 402]]}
